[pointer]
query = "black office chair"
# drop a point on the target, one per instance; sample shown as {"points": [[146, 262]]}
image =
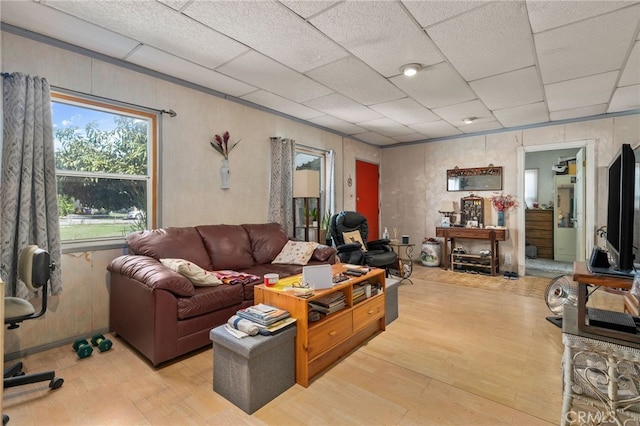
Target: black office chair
{"points": [[34, 269], [376, 253]]}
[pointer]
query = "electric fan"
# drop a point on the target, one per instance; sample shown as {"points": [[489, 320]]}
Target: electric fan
{"points": [[561, 291]]}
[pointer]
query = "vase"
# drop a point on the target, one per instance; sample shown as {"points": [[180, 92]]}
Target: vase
{"points": [[500, 218], [224, 174], [431, 253]]}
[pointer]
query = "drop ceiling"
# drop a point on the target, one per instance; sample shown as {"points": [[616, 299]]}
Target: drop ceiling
{"points": [[337, 64]]}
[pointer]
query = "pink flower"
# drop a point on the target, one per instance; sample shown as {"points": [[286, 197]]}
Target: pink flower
{"points": [[222, 144], [502, 202]]}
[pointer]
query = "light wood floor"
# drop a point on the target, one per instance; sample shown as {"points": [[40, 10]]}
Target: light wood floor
{"points": [[465, 350]]}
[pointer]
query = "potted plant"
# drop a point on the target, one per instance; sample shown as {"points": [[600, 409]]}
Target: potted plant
{"points": [[325, 235]]}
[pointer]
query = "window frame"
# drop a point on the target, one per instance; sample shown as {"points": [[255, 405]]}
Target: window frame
{"points": [[322, 154], [151, 177]]}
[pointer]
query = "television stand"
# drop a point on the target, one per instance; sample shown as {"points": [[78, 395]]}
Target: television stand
{"points": [[583, 277]]}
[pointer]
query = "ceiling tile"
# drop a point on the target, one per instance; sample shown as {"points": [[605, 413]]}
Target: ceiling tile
{"points": [[455, 114], [306, 8], [344, 108], [480, 127], [175, 4], [386, 127], [270, 28], [337, 125], [523, 115], [265, 73], [586, 48], [159, 26], [631, 73], [375, 138], [162, 62], [581, 92], [378, 32], [355, 79], [405, 111], [53, 23], [514, 88], [625, 98], [436, 129], [435, 86], [545, 15], [281, 104], [413, 137], [477, 52], [431, 12], [587, 111]]}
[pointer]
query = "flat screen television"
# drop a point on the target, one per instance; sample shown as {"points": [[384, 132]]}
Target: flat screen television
{"points": [[621, 208]]}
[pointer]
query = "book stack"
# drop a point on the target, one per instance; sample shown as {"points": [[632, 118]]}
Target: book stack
{"points": [[329, 303], [358, 293], [269, 319]]}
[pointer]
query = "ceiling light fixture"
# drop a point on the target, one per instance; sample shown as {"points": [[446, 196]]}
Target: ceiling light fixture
{"points": [[469, 120], [411, 69]]}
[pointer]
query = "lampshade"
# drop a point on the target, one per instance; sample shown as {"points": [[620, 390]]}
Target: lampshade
{"points": [[447, 207], [306, 183]]}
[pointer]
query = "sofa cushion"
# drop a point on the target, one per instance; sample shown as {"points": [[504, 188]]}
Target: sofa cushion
{"points": [[209, 299], [267, 240], [228, 246], [323, 253], [198, 276], [295, 253], [166, 243]]}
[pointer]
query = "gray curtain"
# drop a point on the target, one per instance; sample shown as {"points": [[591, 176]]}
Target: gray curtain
{"points": [[281, 189], [28, 192]]}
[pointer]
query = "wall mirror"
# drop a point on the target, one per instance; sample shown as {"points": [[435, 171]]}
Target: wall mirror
{"points": [[477, 179]]}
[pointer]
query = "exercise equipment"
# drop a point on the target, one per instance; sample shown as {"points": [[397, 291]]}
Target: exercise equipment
{"points": [[101, 342], [82, 348]]}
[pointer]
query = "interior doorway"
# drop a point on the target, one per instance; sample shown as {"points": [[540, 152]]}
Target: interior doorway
{"points": [[555, 226]]}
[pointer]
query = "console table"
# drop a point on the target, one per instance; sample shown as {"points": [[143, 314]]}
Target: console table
{"points": [[493, 235]]}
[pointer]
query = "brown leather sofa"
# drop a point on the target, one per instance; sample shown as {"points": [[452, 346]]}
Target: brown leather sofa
{"points": [[161, 313]]}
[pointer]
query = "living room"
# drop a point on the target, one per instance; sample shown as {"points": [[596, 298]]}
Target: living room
{"points": [[412, 183]]}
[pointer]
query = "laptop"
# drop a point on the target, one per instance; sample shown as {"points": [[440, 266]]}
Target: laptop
{"points": [[317, 276]]}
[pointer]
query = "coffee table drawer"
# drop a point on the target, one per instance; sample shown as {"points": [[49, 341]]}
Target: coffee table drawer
{"points": [[328, 334], [366, 312]]}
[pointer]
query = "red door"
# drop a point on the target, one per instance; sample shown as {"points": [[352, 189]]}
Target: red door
{"points": [[367, 195]]}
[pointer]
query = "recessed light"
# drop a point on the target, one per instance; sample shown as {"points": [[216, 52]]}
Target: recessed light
{"points": [[410, 69], [469, 120]]}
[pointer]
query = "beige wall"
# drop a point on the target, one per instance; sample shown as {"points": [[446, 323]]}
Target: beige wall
{"points": [[414, 184]]}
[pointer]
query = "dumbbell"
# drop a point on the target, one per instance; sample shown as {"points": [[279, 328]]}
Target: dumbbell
{"points": [[101, 342], [82, 348]]}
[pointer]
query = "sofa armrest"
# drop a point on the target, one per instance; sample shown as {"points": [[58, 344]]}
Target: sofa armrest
{"points": [[152, 273], [324, 253]]}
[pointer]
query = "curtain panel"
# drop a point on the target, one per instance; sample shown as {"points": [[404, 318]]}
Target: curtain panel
{"points": [[28, 190], [281, 188]]}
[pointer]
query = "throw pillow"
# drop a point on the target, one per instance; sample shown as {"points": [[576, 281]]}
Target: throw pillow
{"points": [[198, 276], [296, 253], [354, 237]]}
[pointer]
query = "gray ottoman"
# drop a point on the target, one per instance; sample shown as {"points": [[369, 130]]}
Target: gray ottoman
{"points": [[391, 301], [253, 370]]}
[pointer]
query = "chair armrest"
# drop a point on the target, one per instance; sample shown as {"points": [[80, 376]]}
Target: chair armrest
{"points": [[344, 248], [152, 273], [381, 244]]}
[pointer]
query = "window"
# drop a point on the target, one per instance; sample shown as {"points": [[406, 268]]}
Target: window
{"points": [[103, 167], [531, 187]]}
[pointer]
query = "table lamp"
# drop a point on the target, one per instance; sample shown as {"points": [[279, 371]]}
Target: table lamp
{"points": [[447, 209]]}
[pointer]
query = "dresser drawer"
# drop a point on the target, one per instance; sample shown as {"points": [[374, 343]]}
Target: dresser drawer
{"points": [[367, 312], [329, 333]]}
